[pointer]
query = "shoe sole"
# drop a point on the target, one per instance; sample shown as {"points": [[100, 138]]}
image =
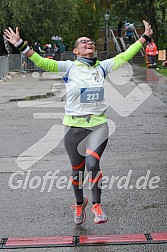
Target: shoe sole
{"points": [[100, 222], [86, 202]]}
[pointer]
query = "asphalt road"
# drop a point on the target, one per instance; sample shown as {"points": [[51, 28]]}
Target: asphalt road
{"points": [[134, 162]]}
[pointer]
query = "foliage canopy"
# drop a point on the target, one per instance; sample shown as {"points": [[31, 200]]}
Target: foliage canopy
{"points": [[40, 20]]}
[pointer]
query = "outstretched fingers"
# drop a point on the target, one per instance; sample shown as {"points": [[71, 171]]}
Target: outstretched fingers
{"points": [[17, 31], [7, 33], [11, 36], [11, 30], [148, 29]]}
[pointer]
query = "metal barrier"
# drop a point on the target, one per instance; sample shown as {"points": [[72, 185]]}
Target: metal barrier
{"points": [[21, 63], [15, 62], [101, 55], [67, 56], [115, 42], [28, 65], [4, 66]]}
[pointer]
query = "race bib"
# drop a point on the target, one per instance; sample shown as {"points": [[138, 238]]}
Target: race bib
{"points": [[92, 95]]}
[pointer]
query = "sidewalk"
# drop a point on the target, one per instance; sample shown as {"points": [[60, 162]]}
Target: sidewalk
{"points": [[135, 162]]}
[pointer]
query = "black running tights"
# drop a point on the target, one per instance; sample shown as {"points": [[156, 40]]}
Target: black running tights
{"points": [[84, 147]]}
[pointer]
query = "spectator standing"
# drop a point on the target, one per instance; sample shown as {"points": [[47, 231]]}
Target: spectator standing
{"points": [[59, 43], [37, 48], [48, 51], [119, 28], [151, 53], [58, 47], [56, 52], [129, 32]]}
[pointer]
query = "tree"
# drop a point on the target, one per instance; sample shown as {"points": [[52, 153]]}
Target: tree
{"points": [[152, 10], [39, 20]]}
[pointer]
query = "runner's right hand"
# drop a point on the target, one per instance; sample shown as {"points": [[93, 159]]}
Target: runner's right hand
{"points": [[11, 36]]}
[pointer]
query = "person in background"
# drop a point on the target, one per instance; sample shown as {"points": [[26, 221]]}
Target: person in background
{"points": [[129, 29], [48, 51], [37, 48], [56, 52], [151, 53], [86, 127], [120, 28]]}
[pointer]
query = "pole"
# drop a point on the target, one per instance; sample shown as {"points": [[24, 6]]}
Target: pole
{"points": [[107, 16], [107, 35]]}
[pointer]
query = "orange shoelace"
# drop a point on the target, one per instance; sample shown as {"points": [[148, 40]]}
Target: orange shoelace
{"points": [[78, 210], [97, 208]]}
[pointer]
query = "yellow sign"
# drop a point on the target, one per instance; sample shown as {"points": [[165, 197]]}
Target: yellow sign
{"points": [[162, 55]]}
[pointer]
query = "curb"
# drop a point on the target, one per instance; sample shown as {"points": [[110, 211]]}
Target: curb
{"points": [[8, 76]]}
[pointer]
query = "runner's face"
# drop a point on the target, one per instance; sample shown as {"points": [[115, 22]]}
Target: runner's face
{"points": [[85, 47]]}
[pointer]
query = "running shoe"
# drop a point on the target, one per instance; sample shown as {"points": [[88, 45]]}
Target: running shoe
{"points": [[100, 216], [80, 214]]}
